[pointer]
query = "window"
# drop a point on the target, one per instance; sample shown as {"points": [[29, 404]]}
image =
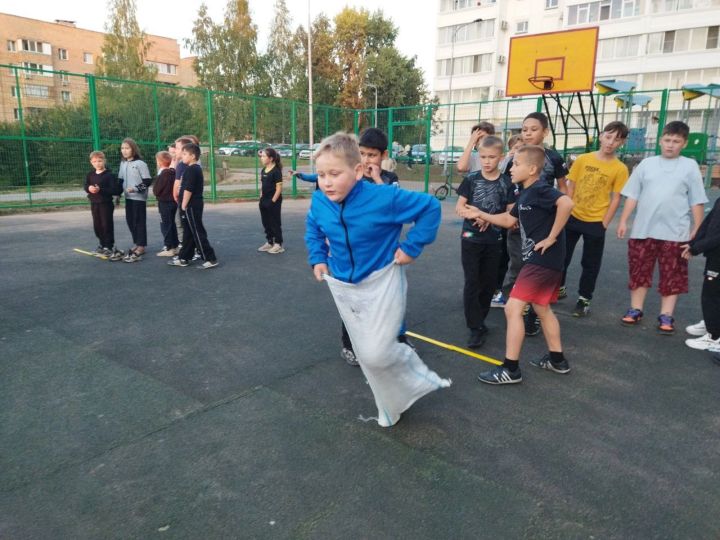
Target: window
{"points": [[13, 91], [62, 54], [550, 4], [469, 32], [621, 47], [602, 10], [11, 46], [521, 27], [668, 41], [477, 63], [453, 5], [37, 91], [65, 95], [465, 95], [16, 114], [31, 46], [87, 58], [663, 6], [712, 37]]}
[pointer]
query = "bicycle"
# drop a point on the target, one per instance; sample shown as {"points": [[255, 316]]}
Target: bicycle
{"points": [[441, 192]]}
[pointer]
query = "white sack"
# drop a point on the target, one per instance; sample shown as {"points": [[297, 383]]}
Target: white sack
{"points": [[373, 312]]}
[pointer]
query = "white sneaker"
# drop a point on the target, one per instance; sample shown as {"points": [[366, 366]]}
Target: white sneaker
{"points": [[208, 264], [265, 247], [166, 253], [697, 329], [704, 343], [277, 248]]}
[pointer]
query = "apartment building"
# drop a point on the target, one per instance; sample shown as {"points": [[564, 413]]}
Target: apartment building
{"points": [[656, 44], [62, 47]]}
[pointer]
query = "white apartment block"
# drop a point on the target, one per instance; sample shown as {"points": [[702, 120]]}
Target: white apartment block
{"points": [[656, 44]]}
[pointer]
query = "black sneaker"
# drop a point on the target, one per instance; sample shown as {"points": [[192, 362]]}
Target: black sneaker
{"points": [[545, 363], [532, 323], [178, 262], [349, 356], [582, 308], [500, 375], [476, 339], [562, 292], [404, 339]]}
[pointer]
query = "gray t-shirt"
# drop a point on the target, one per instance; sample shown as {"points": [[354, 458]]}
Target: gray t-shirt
{"points": [[132, 173], [665, 190], [474, 162]]}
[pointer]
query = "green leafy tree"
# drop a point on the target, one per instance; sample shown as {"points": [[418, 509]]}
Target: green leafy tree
{"points": [[125, 47], [227, 58], [284, 62]]}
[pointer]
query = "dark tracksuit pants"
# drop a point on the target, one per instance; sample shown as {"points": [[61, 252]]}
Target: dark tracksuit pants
{"points": [[480, 265], [102, 214], [710, 299], [504, 261], [168, 229], [593, 235], [271, 221], [136, 218], [194, 234]]}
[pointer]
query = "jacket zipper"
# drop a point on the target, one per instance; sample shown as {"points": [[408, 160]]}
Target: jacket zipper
{"points": [[347, 241]]}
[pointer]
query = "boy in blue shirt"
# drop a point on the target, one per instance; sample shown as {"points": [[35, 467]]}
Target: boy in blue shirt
{"points": [[542, 212], [354, 227]]}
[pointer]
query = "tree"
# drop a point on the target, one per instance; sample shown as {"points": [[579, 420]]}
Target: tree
{"points": [[227, 58], [283, 60], [125, 47]]}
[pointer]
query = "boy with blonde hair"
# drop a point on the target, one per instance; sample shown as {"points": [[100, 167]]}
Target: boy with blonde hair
{"points": [[354, 235]]}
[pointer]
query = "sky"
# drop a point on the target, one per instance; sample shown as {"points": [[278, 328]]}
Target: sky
{"points": [[414, 19]]}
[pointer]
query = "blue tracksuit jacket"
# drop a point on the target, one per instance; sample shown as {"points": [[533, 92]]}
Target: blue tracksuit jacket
{"points": [[364, 229]]}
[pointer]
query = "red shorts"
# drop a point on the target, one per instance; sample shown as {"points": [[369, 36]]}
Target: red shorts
{"points": [[537, 285], [642, 254]]}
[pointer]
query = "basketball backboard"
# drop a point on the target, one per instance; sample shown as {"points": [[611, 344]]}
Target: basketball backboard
{"points": [[552, 63]]}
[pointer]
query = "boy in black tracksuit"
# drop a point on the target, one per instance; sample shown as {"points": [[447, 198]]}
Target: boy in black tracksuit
{"points": [[707, 242], [163, 191], [191, 211], [101, 185]]}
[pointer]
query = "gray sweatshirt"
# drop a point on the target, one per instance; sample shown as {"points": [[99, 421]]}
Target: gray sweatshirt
{"points": [[132, 173]]}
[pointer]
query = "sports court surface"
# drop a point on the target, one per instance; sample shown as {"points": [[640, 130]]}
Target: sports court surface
{"points": [[143, 401]]}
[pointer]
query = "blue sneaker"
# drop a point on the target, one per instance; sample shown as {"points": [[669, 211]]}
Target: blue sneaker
{"points": [[500, 375], [498, 300]]}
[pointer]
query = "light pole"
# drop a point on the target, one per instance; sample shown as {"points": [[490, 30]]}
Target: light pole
{"points": [[452, 69], [375, 88], [310, 92]]}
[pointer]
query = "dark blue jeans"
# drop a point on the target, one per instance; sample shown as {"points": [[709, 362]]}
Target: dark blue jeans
{"points": [[168, 229]]}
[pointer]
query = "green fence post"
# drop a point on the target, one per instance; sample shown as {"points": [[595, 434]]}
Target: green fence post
{"points": [[390, 128], [94, 120], [211, 142], [663, 117], [327, 121], [254, 114], [156, 108], [21, 119], [293, 139], [356, 122], [428, 151]]}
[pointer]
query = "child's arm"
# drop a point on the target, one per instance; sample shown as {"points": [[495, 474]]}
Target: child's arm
{"points": [[306, 177], [628, 209], [460, 206], [504, 220], [278, 191], [463, 164], [187, 195], [610, 213], [176, 189], [564, 206], [375, 174], [708, 235], [318, 249], [698, 213], [424, 211], [562, 185]]}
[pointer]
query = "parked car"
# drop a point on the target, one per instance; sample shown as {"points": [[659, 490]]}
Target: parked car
{"points": [[241, 148], [418, 154], [308, 152], [451, 154], [283, 150]]}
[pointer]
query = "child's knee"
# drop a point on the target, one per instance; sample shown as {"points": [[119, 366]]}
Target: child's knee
{"points": [[514, 308]]}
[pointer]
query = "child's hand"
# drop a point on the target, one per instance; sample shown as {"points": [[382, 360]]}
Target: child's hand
{"points": [[470, 212], [373, 171], [319, 270], [292, 173], [402, 258], [131, 190], [622, 229], [481, 224], [94, 188], [543, 245], [686, 252]]}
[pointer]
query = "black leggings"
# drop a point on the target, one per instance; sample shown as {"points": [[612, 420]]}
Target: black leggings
{"points": [[271, 220], [102, 214], [710, 299], [136, 217]]}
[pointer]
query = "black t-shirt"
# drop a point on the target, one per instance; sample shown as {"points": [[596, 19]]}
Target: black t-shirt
{"points": [[490, 196], [536, 211], [268, 182], [554, 168], [192, 181]]}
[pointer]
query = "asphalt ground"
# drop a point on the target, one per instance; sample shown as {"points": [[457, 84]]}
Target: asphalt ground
{"points": [[143, 401]]}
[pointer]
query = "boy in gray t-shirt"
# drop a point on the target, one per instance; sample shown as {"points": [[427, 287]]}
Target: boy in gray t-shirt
{"points": [[663, 189]]}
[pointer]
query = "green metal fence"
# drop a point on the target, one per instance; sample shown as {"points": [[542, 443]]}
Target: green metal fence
{"points": [[50, 121]]}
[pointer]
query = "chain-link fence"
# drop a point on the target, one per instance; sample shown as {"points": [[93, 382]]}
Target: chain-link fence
{"points": [[51, 121]]}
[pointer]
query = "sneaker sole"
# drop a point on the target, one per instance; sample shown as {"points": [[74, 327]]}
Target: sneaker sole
{"points": [[630, 323], [550, 367], [699, 348], [665, 332], [498, 383]]}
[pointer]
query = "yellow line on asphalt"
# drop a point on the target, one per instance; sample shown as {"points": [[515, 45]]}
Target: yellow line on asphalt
{"points": [[455, 348]]}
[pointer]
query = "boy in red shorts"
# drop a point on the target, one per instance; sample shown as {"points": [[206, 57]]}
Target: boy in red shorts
{"points": [[664, 189], [542, 212]]}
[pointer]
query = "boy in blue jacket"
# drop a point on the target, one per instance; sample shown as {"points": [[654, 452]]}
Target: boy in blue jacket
{"points": [[354, 227]]}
